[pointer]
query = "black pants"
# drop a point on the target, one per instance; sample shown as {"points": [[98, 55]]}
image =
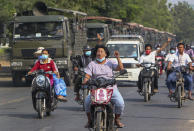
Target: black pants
{"points": [[154, 83], [78, 82]]}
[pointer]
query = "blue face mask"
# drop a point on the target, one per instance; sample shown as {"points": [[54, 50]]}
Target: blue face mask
{"points": [[88, 53], [44, 57], [172, 51], [100, 60]]}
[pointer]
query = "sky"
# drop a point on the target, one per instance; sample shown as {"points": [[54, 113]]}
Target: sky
{"points": [[189, 1]]}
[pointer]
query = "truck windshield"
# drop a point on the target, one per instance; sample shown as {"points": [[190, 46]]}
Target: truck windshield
{"points": [[38, 30], [125, 50], [95, 33]]}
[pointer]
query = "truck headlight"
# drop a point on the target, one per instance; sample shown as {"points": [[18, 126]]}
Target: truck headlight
{"points": [[16, 63], [61, 62]]}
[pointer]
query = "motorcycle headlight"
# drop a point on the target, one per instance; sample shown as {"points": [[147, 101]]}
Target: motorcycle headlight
{"points": [[178, 75], [147, 65], [40, 80]]}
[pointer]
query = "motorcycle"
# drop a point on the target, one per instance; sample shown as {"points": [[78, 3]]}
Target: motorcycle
{"points": [[84, 89], [160, 61], [147, 80], [44, 98], [102, 110], [179, 93]]}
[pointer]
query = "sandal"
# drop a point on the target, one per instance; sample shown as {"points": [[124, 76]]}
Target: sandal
{"points": [[119, 125], [88, 125], [190, 98], [62, 99]]}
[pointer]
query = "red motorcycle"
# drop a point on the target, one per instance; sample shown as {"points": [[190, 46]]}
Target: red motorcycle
{"points": [[102, 110]]}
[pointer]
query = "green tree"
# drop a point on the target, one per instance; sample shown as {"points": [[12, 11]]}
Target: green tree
{"points": [[183, 16]]}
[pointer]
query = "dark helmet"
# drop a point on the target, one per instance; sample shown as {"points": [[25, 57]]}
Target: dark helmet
{"points": [[86, 47], [157, 46], [188, 46]]}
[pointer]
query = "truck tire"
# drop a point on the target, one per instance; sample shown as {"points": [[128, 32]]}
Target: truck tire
{"points": [[16, 79]]}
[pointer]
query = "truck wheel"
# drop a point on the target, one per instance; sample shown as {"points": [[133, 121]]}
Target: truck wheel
{"points": [[16, 79], [67, 79]]}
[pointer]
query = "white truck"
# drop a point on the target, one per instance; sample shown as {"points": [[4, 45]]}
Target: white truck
{"points": [[130, 48]]}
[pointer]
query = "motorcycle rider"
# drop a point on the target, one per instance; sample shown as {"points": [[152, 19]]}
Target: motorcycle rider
{"points": [[103, 67], [169, 55], [160, 55], [180, 59], [83, 61], [189, 51], [38, 54], [47, 64], [149, 57]]}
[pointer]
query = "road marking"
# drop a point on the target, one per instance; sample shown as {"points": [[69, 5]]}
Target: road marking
{"points": [[14, 101]]}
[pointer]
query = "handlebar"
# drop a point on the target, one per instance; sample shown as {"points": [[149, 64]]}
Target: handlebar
{"points": [[40, 72], [104, 82]]}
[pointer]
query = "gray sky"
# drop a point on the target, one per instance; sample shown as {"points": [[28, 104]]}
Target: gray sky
{"points": [[175, 1]]}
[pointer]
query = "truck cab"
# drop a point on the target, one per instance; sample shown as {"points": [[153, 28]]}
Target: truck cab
{"points": [[31, 32], [97, 33], [130, 48]]}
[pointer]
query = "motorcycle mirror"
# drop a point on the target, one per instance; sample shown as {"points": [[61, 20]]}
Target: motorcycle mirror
{"points": [[71, 58]]}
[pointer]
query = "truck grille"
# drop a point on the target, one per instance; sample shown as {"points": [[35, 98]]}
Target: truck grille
{"points": [[129, 65], [129, 74], [29, 53]]}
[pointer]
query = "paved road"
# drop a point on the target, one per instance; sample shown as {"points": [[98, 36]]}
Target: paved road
{"points": [[17, 114]]}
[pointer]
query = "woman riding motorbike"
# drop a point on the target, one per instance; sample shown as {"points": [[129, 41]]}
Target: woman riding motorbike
{"points": [[103, 67], [47, 64]]}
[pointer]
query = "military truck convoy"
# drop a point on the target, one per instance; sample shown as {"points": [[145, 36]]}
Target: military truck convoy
{"points": [[64, 32]]}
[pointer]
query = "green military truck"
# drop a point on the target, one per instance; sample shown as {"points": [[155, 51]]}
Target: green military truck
{"points": [[99, 29], [61, 35], [97, 33]]}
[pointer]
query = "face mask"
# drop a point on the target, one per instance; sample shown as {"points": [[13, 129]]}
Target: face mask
{"points": [[172, 51], [100, 60], [148, 52], [88, 53], [44, 57]]}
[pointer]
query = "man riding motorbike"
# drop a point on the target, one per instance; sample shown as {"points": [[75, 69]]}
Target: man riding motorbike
{"points": [[149, 57], [83, 61], [103, 67], [180, 59], [189, 51], [170, 55], [160, 60], [47, 64]]}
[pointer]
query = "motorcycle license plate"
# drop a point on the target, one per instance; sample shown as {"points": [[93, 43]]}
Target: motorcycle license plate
{"points": [[101, 95]]}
